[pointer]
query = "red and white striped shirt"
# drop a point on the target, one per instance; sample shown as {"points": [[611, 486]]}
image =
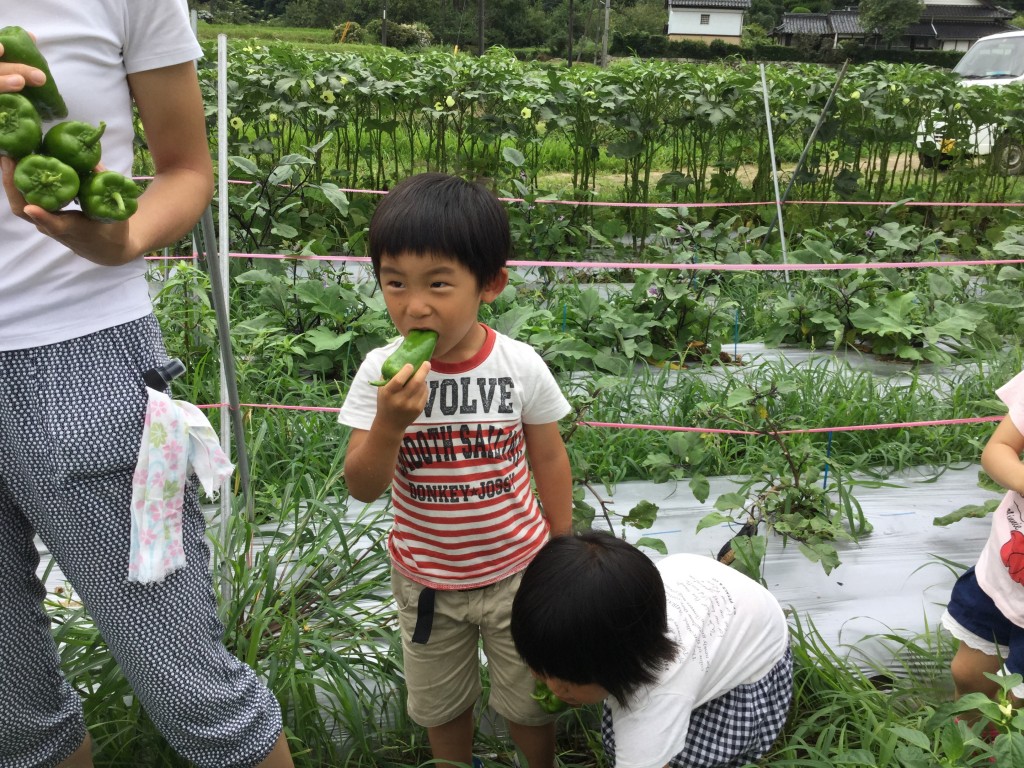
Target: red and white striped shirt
{"points": [[465, 513]]}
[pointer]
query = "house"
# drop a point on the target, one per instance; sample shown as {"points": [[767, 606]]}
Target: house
{"points": [[706, 20], [944, 26]]}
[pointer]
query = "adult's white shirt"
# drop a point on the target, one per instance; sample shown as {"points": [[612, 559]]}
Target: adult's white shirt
{"points": [[47, 293]]}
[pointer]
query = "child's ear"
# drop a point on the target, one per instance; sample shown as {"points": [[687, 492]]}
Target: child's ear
{"points": [[493, 288]]}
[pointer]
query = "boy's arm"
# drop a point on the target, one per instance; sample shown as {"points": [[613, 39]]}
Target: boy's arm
{"points": [[1001, 457], [371, 454], [552, 474]]}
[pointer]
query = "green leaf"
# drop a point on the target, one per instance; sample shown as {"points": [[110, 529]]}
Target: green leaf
{"points": [[642, 515], [911, 736], [325, 340], [714, 520], [700, 488], [730, 501], [651, 543], [513, 156], [739, 396]]}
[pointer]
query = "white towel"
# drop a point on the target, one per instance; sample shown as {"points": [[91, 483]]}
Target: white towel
{"points": [[177, 440]]}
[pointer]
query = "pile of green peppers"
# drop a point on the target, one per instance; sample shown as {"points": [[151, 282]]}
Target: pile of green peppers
{"points": [[56, 167]]}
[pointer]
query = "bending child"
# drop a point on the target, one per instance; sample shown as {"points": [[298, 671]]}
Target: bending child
{"points": [[690, 657], [452, 439], [986, 608]]}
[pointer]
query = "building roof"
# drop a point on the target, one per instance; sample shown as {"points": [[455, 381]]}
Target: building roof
{"points": [[965, 12], [739, 5], [944, 22], [846, 23]]}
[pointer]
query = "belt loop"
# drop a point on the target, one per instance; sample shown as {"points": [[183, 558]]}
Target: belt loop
{"points": [[424, 616]]}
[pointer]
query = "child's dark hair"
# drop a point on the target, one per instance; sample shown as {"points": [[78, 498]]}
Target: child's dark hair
{"points": [[435, 214], [591, 609]]}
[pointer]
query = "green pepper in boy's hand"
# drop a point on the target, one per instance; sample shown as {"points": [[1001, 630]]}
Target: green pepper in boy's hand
{"points": [[416, 349], [547, 699], [108, 196], [21, 129], [75, 143], [45, 181]]}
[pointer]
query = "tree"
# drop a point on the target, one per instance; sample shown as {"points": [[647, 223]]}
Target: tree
{"points": [[888, 19]]}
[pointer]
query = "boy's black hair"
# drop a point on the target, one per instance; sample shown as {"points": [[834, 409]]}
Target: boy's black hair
{"points": [[435, 214], [591, 609]]}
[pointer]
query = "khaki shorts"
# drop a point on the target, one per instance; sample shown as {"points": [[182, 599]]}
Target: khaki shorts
{"points": [[443, 675]]}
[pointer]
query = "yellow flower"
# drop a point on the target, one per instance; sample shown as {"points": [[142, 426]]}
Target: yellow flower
{"points": [[906, 100], [438, 106], [1006, 708], [590, 94], [526, 113], [456, 50], [855, 95], [344, 80], [272, 117], [327, 96], [762, 412], [450, 101], [236, 123]]}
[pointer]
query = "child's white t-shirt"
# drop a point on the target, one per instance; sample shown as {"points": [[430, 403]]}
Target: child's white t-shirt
{"points": [[730, 630], [1000, 568]]}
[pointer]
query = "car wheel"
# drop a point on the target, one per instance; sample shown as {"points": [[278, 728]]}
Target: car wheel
{"points": [[926, 160], [1008, 155]]}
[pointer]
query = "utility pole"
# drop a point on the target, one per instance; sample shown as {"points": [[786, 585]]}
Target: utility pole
{"points": [[480, 28], [604, 37], [571, 14]]}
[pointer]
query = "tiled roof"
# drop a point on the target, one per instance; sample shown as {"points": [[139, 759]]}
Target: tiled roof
{"points": [[740, 5], [948, 31], [845, 23], [965, 12], [945, 22], [805, 24]]}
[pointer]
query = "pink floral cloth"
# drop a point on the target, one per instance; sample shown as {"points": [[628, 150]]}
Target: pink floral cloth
{"points": [[177, 440]]}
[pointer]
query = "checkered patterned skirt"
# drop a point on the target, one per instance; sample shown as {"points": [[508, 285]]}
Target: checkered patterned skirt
{"points": [[735, 729]]}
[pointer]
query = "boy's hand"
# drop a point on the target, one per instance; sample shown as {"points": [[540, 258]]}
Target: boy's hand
{"points": [[401, 401]]}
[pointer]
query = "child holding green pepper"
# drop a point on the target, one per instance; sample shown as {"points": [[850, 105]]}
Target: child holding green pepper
{"points": [[457, 438], [690, 657], [77, 334]]}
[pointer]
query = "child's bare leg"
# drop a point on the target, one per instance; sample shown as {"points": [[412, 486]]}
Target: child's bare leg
{"points": [[969, 666], [453, 741], [536, 742], [81, 757]]}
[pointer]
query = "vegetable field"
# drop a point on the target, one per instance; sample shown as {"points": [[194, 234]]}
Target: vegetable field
{"points": [[649, 247]]}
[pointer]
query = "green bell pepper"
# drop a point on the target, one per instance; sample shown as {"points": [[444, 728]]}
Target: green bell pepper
{"points": [[46, 181], [21, 129], [547, 699], [108, 196], [75, 143], [417, 348], [20, 48]]}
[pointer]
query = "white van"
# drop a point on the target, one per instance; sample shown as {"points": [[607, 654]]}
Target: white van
{"points": [[994, 60]]}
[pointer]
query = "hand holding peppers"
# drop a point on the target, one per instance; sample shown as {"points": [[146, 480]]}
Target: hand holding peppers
{"points": [[54, 168]]}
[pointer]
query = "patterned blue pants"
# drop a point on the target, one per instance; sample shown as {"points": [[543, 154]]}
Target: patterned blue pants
{"points": [[736, 728], [70, 425]]}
